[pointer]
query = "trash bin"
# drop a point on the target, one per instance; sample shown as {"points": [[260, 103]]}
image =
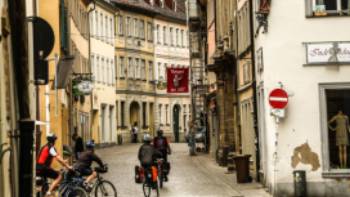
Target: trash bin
{"points": [[242, 168], [299, 183]]}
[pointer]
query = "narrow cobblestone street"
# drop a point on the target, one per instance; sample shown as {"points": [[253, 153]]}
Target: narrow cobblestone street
{"points": [[189, 176]]}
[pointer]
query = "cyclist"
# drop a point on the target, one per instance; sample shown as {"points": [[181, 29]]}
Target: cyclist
{"points": [[43, 164], [161, 144], [148, 154], [83, 164]]}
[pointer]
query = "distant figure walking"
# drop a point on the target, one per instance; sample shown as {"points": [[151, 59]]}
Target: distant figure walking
{"points": [[134, 132], [78, 145]]}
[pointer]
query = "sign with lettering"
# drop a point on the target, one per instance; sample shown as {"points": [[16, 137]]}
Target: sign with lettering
{"points": [[328, 52], [177, 80]]}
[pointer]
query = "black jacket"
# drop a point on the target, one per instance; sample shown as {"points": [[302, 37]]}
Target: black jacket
{"points": [[148, 154], [86, 158]]}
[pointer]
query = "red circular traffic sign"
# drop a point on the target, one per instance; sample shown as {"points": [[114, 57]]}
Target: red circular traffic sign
{"points": [[278, 98]]}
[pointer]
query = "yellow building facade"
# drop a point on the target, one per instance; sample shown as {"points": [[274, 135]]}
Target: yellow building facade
{"points": [[135, 87]]}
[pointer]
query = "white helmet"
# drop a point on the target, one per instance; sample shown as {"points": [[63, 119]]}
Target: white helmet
{"points": [[147, 137]]}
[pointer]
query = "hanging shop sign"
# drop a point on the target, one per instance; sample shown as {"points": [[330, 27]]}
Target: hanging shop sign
{"points": [[177, 80], [328, 53], [83, 88]]}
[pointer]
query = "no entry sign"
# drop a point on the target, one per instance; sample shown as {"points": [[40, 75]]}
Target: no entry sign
{"points": [[278, 98]]}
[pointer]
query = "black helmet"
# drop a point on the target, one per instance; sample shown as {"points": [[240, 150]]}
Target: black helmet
{"points": [[90, 144], [51, 137], [160, 132]]}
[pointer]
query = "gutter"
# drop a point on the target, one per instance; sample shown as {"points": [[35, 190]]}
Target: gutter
{"points": [[89, 60], [255, 107]]}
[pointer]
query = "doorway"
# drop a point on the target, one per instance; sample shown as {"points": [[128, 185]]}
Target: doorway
{"points": [[134, 113], [176, 122]]}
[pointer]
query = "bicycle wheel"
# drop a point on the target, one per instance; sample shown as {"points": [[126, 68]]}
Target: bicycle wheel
{"points": [[76, 192], [160, 178], [104, 189], [146, 189]]}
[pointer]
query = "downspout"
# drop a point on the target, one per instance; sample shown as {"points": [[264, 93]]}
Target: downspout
{"points": [[255, 107], [90, 66]]}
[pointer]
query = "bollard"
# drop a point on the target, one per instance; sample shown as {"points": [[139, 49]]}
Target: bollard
{"points": [[300, 189]]}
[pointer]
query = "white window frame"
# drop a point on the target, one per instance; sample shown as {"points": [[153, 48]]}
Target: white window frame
{"points": [[311, 6], [120, 25], [150, 70]]}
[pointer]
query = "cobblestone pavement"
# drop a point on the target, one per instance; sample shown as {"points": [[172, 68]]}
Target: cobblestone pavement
{"points": [[189, 176]]}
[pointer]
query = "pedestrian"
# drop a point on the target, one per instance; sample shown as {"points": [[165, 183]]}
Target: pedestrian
{"points": [[78, 145], [134, 133], [191, 139]]}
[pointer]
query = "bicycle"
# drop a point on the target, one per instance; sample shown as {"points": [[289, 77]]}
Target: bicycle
{"points": [[160, 173], [64, 190], [149, 183], [100, 187], [70, 186]]}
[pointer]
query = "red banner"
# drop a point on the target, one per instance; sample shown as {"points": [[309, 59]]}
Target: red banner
{"points": [[177, 80]]}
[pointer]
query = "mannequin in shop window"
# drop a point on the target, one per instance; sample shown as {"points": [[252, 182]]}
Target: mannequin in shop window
{"points": [[342, 136]]}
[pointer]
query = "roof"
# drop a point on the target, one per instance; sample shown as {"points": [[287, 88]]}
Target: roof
{"points": [[155, 10]]}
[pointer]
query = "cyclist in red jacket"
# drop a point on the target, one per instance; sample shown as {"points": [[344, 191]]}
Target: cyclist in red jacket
{"points": [[43, 164]]}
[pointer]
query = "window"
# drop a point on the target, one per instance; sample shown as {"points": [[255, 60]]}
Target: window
{"points": [[122, 113], [142, 29], [100, 35], [246, 73], [164, 36], [171, 36], [158, 34], [328, 7], [182, 38], [160, 77], [150, 70], [149, 32], [177, 40], [335, 113], [164, 72], [167, 114], [130, 68], [143, 69], [93, 66], [105, 36], [120, 26], [136, 30], [108, 72], [121, 67], [129, 26], [137, 69], [144, 116], [160, 114], [98, 69], [95, 33], [111, 29]]}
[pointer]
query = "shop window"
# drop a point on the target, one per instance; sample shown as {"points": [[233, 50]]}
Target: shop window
{"points": [[335, 112]]}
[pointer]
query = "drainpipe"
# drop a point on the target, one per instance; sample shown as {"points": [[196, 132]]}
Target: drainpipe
{"points": [[255, 107], [89, 61]]}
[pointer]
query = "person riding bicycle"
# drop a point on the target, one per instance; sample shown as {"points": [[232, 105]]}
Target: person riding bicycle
{"points": [[161, 144], [83, 164], [147, 153], [43, 164]]}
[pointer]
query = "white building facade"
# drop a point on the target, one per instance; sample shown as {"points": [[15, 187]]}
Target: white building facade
{"points": [[305, 51], [103, 69], [171, 50]]}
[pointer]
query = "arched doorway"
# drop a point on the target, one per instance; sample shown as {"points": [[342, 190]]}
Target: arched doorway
{"points": [[176, 122], [134, 114]]}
